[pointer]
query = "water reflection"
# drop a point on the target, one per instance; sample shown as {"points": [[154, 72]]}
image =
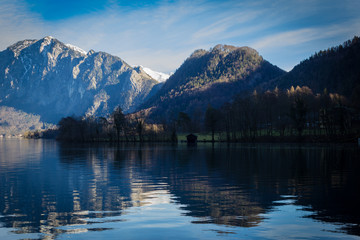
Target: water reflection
{"points": [[49, 188]]}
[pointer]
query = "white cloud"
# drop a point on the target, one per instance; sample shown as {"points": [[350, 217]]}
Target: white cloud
{"points": [[162, 37], [222, 27], [304, 35], [286, 39], [16, 23]]}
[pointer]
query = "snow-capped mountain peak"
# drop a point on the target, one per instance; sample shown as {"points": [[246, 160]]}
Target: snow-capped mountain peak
{"points": [[49, 37], [75, 48], [159, 76], [53, 80]]}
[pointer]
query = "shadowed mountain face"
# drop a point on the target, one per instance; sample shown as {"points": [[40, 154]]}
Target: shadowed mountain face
{"points": [[53, 80], [336, 69], [211, 77]]}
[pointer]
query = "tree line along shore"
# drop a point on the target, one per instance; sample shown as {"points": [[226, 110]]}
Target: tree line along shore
{"points": [[292, 115]]}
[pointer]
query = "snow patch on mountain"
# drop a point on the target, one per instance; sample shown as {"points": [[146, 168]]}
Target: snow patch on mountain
{"points": [[49, 38], [46, 41], [159, 76], [75, 48]]}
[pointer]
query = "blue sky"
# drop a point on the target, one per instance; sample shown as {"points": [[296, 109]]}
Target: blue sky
{"points": [[162, 34]]}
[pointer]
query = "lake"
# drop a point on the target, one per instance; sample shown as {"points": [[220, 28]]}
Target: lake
{"points": [[50, 190]]}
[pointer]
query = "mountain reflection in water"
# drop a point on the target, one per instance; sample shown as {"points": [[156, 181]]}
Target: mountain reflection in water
{"points": [[52, 189]]}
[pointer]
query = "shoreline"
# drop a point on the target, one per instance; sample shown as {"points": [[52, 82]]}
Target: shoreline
{"points": [[305, 140]]}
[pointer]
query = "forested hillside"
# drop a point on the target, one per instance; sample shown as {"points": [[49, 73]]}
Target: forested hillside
{"points": [[337, 69], [210, 77]]}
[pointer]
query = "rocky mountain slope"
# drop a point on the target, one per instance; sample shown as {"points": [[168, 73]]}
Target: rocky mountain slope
{"points": [[51, 79], [210, 77]]}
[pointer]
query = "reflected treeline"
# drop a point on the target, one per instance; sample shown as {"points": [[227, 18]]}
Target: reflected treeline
{"points": [[226, 184], [235, 184]]}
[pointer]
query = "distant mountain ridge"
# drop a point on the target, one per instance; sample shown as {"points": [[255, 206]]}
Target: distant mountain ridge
{"points": [[49, 78], [15, 122], [211, 77]]}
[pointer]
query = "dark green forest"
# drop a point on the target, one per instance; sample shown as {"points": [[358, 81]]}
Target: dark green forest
{"points": [[296, 114], [337, 69]]}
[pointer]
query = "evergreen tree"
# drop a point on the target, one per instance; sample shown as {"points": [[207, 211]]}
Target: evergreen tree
{"points": [[212, 117], [119, 121]]}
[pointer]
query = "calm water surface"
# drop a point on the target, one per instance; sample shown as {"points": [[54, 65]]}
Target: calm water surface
{"points": [[50, 190]]}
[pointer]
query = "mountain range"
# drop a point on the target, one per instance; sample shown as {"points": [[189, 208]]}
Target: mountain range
{"points": [[53, 79], [46, 79]]}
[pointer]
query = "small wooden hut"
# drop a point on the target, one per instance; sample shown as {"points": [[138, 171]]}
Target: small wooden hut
{"points": [[191, 139]]}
